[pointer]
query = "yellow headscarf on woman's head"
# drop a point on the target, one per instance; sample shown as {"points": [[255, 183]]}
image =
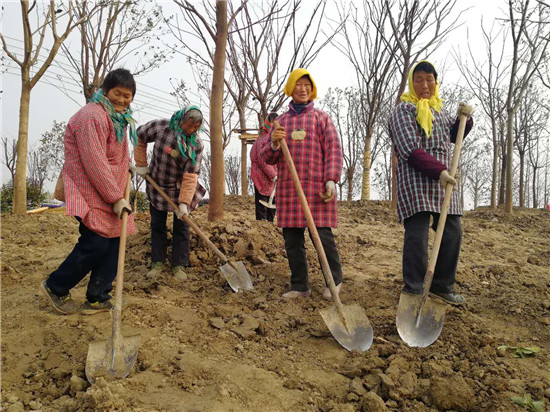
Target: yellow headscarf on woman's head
{"points": [[296, 75], [424, 115]]}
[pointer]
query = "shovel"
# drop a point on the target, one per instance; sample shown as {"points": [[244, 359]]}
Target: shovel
{"points": [[235, 272], [348, 324], [419, 319], [115, 357]]}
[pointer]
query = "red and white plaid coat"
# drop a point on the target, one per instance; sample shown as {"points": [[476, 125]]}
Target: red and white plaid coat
{"points": [[318, 158], [262, 173], [95, 171]]}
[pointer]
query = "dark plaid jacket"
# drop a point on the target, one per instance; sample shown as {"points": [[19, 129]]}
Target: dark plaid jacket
{"points": [[167, 165]]}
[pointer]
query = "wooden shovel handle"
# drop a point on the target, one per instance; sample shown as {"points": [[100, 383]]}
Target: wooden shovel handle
{"points": [[117, 311], [444, 209], [312, 228], [188, 220]]}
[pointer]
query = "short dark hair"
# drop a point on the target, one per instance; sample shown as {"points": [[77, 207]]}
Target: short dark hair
{"points": [[426, 68], [119, 77], [272, 116]]}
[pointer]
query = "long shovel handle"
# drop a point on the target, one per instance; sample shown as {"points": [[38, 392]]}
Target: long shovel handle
{"points": [[444, 209], [117, 311], [188, 220], [313, 230]]}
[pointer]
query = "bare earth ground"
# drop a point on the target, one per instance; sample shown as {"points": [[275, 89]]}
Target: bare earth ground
{"points": [[205, 348]]}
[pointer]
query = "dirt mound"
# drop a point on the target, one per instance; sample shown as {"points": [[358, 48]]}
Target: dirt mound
{"points": [[205, 348]]}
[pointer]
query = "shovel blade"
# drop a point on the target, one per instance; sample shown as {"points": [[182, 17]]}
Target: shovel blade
{"points": [[419, 325], [237, 276], [358, 335], [111, 364]]}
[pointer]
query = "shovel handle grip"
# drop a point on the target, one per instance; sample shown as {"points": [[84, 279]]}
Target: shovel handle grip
{"points": [[444, 208], [312, 228], [187, 220]]}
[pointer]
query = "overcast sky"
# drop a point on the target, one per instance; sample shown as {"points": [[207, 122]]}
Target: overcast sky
{"points": [[49, 103]]}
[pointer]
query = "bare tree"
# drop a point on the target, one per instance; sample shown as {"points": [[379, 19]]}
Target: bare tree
{"points": [[204, 176], [10, 155], [52, 148], [233, 174], [485, 80], [38, 170], [530, 38], [118, 29], [29, 60]]}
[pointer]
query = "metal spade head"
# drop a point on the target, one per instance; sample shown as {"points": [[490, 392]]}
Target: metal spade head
{"points": [[112, 361], [419, 324], [356, 334], [237, 276]]}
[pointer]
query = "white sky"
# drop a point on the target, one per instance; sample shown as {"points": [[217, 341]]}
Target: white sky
{"points": [[49, 103]]}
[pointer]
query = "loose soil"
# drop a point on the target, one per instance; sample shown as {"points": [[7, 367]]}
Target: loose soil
{"points": [[206, 348]]}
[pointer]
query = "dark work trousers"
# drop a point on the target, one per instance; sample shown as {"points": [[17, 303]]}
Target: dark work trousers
{"points": [[297, 259], [159, 240], [262, 212], [415, 253], [93, 253]]}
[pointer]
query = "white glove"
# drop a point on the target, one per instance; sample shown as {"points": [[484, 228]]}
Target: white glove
{"points": [[330, 191], [120, 206], [465, 109], [183, 210], [274, 179], [445, 178]]}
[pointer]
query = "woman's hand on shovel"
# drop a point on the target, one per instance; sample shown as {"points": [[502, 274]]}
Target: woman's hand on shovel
{"points": [[277, 135]]}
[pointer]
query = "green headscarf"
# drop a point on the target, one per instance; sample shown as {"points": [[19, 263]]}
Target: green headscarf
{"points": [[120, 120], [186, 144]]}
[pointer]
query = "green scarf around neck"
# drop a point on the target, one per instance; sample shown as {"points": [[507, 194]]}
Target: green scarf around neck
{"points": [[186, 144], [120, 120]]}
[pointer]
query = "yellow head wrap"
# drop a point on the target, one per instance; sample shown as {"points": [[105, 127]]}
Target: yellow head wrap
{"points": [[424, 115], [294, 77]]}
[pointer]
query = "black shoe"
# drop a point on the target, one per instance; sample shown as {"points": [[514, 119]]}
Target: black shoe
{"points": [[451, 298], [62, 304], [89, 308]]}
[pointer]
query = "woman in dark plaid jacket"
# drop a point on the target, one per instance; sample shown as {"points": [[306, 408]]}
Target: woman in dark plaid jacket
{"points": [[422, 133], [315, 147], [175, 165]]}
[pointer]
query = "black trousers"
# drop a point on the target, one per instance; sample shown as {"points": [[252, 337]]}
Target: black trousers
{"points": [[415, 253], [297, 259], [159, 239], [93, 253], [262, 212]]}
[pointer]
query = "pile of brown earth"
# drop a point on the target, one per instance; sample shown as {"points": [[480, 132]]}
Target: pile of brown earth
{"points": [[205, 348]]}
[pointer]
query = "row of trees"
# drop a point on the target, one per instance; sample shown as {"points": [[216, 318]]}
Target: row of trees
{"points": [[241, 54]]}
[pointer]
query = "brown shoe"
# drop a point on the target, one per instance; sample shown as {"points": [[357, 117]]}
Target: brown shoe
{"points": [[62, 304]]}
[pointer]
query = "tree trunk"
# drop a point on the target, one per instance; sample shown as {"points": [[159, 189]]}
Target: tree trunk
{"points": [[217, 179], [365, 189], [535, 197], [20, 184], [244, 166], [350, 172], [521, 180], [509, 170], [494, 178], [502, 183]]}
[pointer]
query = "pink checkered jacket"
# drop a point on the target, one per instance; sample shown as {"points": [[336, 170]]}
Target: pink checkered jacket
{"points": [[318, 158], [95, 171], [262, 173]]}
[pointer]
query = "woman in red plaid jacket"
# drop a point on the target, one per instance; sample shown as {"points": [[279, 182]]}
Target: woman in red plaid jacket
{"points": [[315, 147], [94, 175]]}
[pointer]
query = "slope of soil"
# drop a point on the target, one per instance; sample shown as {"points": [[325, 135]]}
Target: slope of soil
{"points": [[205, 348]]}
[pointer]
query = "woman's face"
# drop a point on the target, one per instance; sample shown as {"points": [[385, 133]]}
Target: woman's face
{"points": [[190, 126], [424, 84], [120, 97], [302, 91]]}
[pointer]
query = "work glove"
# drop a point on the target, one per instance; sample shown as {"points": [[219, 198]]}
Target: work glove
{"points": [[274, 179], [182, 210], [277, 135], [465, 109], [445, 178], [140, 170], [120, 206], [330, 191]]}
